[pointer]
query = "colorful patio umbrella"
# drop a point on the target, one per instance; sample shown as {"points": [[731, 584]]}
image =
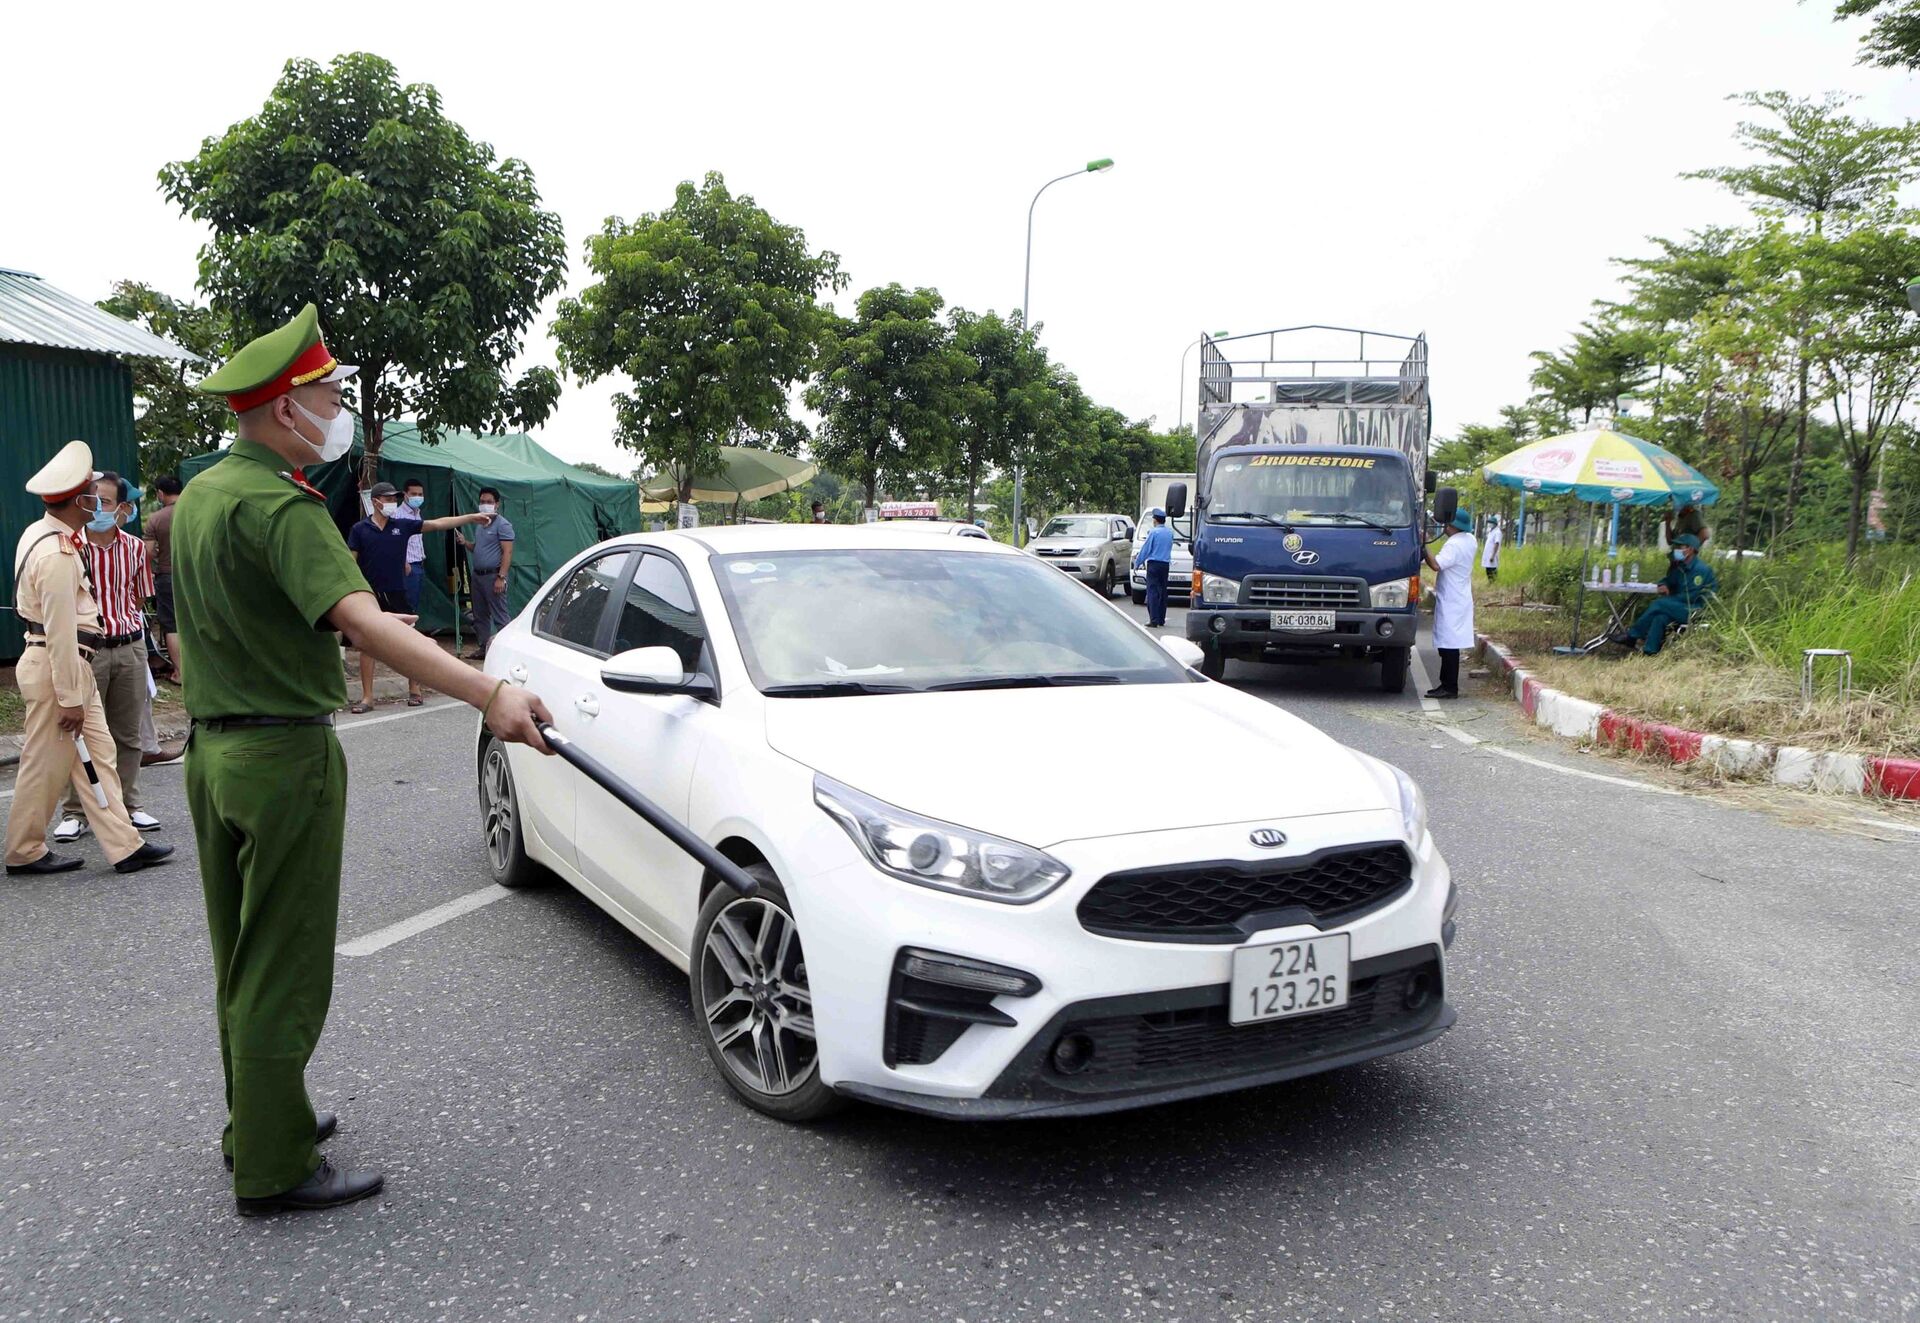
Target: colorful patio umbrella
{"points": [[1605, 467], [745, 474]]}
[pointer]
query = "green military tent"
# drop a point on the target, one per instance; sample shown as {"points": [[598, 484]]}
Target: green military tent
{"points": [[556, 509]]}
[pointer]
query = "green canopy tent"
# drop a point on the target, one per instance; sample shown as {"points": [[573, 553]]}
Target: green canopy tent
{"points": [[556, 510], [745, 474]]}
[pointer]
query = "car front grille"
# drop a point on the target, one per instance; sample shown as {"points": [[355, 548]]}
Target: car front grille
{"points": [[1195, 1042], [1298, 592], [1230, 900]]}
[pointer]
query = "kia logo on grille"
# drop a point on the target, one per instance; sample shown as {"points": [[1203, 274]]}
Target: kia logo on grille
{"points": [[1305, 557], [1267, 838]]}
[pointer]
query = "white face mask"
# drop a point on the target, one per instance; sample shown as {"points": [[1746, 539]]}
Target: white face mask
{"points": [[336, 433], [387, 508], [486, 507]]}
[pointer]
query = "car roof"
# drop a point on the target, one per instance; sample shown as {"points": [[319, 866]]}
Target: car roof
{"points": [[728, 539]]}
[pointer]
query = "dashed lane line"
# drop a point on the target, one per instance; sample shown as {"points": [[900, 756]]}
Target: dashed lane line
{"points": [[381, 938]]}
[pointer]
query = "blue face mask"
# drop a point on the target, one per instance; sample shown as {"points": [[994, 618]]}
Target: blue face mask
{"points": [[1680, 555], [416, 502], [103, 521]]}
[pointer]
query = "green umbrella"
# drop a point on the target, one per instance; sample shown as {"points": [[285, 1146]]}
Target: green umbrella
{"points": [[745, 474]]}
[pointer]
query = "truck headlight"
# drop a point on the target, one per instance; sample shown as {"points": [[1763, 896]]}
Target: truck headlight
{"points": [[936, 854], [1216, 590], [1392, 594]]}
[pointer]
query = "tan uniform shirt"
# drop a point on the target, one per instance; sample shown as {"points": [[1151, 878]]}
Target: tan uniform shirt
{"points": [[51, 591]]}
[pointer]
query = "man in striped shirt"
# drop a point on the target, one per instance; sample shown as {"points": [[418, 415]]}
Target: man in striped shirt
{"points": [[122, 581]]}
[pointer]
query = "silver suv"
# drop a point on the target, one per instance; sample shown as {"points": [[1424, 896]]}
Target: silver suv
{"points": [[1096, 549]]}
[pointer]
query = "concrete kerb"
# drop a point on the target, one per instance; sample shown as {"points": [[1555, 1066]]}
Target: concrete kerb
{"points": [[1808, 769]]}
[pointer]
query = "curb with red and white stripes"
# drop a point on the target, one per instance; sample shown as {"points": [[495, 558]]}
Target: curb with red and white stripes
{"points": [[1753, 760]]}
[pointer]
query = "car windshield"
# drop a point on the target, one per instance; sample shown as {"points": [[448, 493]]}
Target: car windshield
{"points": [[1311, 489], [877, 620], [1076, 526]]}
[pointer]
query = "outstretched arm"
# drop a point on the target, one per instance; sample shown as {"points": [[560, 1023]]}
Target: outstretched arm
{"points": [[445, 522]]}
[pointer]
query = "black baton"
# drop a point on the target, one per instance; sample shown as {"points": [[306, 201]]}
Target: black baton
{"points": [[674, 830]]}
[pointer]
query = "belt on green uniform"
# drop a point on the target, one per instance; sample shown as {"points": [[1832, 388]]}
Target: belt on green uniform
{"points": [[224, 723]]}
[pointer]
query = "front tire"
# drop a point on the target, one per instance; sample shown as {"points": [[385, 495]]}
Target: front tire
{"points": [[1393, 670], [1139, 597], [1213, 662], [1107, 579], [748, 976], [503, 828]]}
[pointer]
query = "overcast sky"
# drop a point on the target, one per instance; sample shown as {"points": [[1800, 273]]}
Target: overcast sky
{"points": [[1462, 169]]}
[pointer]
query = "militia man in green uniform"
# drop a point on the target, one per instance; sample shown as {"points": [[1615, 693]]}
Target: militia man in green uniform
{"points": [[1690, 581], [262, 581]]}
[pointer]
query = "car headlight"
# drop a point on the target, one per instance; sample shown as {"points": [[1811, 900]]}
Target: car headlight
{"points": [[1413, 806], [1390, 594], [1219, 591], [936, 854]]}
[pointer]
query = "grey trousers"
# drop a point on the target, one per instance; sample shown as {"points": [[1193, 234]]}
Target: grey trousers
{"points": [[121, 674], [490, 614]]}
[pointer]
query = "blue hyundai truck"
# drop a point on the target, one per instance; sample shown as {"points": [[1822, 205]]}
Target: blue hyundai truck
{"points": [[1307, 499]]}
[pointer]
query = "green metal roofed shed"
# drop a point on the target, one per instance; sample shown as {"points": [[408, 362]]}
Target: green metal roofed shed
{"points": [[63, 375]]}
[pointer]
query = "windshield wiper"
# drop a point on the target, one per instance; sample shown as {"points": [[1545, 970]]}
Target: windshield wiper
{"points": [[1248, 514], [1035, 681], [1358, 519], [833, 689]]}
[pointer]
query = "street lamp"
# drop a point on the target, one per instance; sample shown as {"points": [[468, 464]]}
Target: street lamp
{"points": [[1098, 167], [1181, 416]]}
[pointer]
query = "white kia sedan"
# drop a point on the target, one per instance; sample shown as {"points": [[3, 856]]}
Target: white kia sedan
{"points": [[955, 916]]}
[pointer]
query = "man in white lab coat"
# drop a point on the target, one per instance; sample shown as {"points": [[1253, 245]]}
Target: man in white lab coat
{"points": [[1452, 603], [1490, 555]]}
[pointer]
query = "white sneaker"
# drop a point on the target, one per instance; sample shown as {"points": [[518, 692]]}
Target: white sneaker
{"points": [[144, 821], [70, 829]]}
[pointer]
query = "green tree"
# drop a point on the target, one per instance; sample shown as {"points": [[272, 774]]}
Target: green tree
{"points": [[1607, 360], [711, 311], [427, 257], [1893, 40], [888, 389], [1005, 399], [1816, 164], [174, 420]]}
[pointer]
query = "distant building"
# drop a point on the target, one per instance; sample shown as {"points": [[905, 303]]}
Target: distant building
{"points": [[63, 374]]}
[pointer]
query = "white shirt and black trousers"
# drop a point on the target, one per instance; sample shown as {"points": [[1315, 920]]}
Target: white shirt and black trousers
{"points": [[1452, 610]]}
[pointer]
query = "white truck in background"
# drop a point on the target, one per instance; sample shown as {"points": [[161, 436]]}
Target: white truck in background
{"points": [[1153, 496]]}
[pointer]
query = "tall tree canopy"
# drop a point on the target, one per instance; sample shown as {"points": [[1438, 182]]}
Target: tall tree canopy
{"points": [[1817, 162], [1008, 396], [427, 257], [1893, 40], [174, 419], [711, 311]]}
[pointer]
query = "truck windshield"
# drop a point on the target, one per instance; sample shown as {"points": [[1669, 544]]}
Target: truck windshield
{"points": [[1311, 489]]}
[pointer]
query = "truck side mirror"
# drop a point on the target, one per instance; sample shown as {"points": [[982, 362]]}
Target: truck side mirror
{"points": [[1176, 500], [1446, 503], [1433, 481]]}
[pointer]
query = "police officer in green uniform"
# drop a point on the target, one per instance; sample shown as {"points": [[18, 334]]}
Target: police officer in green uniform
{"points": [[262, 581], [1689, 583]]}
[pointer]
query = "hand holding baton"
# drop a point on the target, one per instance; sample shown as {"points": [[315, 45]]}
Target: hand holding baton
{"points": [[93, 777], [672, 828]]}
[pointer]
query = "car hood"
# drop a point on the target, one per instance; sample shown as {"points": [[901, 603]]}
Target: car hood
{"points": [[1042, 766], [1065, 544]]}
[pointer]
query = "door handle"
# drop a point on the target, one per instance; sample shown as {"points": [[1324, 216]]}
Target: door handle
{"points": [[587, 705], [518, 675]]}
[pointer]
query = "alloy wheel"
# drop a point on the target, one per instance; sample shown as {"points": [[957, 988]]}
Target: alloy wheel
{"points": [[754, 996], [496, 789]]}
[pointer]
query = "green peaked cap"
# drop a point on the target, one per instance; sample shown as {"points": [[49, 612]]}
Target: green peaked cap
{"points": [[273, 364]]}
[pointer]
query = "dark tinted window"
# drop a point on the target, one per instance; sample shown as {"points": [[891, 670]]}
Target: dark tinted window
{"points": [[659, 612], [574, 612]]}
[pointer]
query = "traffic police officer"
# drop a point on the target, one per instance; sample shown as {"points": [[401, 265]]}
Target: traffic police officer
{"points": [[262, 579], [55, 675], [1689, 583]]}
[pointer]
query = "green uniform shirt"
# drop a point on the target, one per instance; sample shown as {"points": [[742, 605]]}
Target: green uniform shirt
{"points": [[1691, 585], [258, 564]]}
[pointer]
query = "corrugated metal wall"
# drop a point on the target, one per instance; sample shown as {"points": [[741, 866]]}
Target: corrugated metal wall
{"points": [[48, 397]]}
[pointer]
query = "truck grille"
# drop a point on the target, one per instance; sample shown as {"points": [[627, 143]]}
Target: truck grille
{"points": [[1208, 902], [1299, 592]]}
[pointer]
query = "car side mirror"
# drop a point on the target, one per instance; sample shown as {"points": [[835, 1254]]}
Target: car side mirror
{"points": [[655, 670], [1176, 500], [1187, 653]]}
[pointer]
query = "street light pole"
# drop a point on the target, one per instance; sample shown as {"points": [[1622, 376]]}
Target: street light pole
{"points": [[1181, 416], [1100, 166]]}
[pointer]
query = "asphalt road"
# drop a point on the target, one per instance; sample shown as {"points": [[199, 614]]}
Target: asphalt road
{"points": [[1685, 1081]]}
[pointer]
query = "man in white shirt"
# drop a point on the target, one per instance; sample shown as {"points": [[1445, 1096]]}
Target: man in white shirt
{"points": [[1452, 603], [1490, 554]]}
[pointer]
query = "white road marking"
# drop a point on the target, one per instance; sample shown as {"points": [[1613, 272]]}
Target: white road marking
{"points": [[1882, 822], [382, 938], [1444, 724]]}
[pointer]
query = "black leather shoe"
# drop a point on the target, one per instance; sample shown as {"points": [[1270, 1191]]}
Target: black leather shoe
{"points": [[324, 1124], [149, 854], [46, 863], [328, 1187], [1441, 691]]}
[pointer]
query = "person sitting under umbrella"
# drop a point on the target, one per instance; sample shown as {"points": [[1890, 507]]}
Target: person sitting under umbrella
{"points": [[1689, 583]]}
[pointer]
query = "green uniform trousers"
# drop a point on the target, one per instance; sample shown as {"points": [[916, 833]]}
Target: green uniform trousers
{"points": [[269, 807], [1662, 614]]}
